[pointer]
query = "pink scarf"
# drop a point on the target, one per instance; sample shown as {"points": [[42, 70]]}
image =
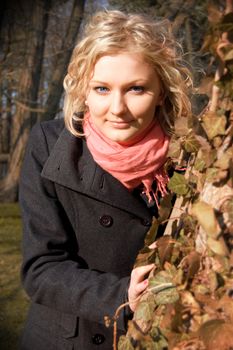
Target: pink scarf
{"points": [[138, 163]]}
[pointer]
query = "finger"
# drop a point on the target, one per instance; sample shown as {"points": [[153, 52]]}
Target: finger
{"points": [[140, 287], [153, 245], [138, 274]]}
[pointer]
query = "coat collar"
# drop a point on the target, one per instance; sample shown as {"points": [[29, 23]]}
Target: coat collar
{"points": [[71, 165]]}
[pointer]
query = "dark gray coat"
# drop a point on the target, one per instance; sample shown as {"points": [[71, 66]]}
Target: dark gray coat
{"points": [[82, 232]]}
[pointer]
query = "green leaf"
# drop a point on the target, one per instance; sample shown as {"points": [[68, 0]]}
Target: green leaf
{"points": [[215, 174], [217, 246], [158, 337], [199, 164], [204, 143], [163, 288], [201, 289], [213, 280], [229, 209], [212, 174], [174, 149], [165, 207], [188, 223], [125, 343], [151, 345], [165, 247], [167, 296], [206, 218], [208, 156], [151, 234], [178, 184], [224, 162], [144, 311], [146, 256], [229, 56], [191, 144], [214, 125], [191, 264], [161, 278]]}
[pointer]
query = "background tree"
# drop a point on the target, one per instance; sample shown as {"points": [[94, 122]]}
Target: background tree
{"points": [[36, 17], [29, 91], [189, 23]]}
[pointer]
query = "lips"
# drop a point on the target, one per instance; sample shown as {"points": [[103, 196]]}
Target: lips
{"points": [[120, 124]]}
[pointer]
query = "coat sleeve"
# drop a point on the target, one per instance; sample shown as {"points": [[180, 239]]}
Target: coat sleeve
{"points": [[51, 272]]}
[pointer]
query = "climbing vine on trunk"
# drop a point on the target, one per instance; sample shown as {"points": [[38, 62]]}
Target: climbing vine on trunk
{"points": [[188, 304]]}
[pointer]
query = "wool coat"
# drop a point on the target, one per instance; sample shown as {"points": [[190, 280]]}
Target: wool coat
{"points": [[82, 230]]}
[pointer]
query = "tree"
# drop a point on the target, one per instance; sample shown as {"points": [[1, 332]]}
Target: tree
{"points": [[55, 85], [25, 87], [37, 16], [188, 20], [188, 304]]}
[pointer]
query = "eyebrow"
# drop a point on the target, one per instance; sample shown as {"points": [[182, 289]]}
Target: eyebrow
{"points": [[140, 80]]}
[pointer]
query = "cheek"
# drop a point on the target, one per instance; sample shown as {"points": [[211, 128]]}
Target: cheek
{"points": [[144, 109], [97, 105]]}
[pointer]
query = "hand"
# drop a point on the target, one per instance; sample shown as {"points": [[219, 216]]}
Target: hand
{"points": [[138, 284]]}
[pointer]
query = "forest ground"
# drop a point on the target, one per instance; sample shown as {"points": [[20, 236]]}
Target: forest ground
{"points": [[13, 300]]}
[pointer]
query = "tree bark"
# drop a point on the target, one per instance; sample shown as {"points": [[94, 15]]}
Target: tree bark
{"points": [[223, 44], [29, 82], [28, 86], [56, 84], [5, 125], [2, 12]]}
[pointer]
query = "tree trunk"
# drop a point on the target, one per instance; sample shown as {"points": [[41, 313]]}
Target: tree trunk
{"points": [[27, 93], [2, 12], [5, 125], [56, 84]]}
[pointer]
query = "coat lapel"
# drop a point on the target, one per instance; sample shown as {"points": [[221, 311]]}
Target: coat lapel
{"points": [[71, 165]]}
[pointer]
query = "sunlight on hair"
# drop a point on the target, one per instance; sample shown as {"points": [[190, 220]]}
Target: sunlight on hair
{"points": [[112, 32]]}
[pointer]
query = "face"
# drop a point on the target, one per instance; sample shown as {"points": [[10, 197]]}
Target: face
{"points": [[123, 93]]}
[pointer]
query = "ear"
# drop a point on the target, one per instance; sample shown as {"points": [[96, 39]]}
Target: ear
{"points": [[161, 98], [160, 101]]}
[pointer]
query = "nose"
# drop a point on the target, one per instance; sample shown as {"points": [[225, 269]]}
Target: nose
{"points": [[118, 105]]}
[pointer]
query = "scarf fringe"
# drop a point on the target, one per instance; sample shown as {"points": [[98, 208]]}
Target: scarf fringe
{"points": [[162, 180]]}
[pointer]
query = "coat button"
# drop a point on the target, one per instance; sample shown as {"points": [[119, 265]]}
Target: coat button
{"points": [[98, 339], [145, 222], [106, 220]]}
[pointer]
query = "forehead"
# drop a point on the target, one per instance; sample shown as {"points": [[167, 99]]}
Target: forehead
{"points": [[125, 64]]}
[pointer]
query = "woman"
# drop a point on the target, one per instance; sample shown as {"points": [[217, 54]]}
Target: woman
{"points": [[89, 188]]}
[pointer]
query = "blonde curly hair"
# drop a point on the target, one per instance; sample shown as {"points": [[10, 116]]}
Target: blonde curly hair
{"points": [[113, 32]]}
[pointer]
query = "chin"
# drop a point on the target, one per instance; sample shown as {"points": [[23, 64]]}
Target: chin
{"points": [[120, 138], [117, 136]]}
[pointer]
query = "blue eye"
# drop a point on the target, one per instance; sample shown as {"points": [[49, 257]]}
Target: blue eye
{"points": [[101, 89], [137, 88]]}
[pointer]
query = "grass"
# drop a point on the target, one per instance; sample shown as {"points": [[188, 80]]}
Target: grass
{"points": [[13, 300]]}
